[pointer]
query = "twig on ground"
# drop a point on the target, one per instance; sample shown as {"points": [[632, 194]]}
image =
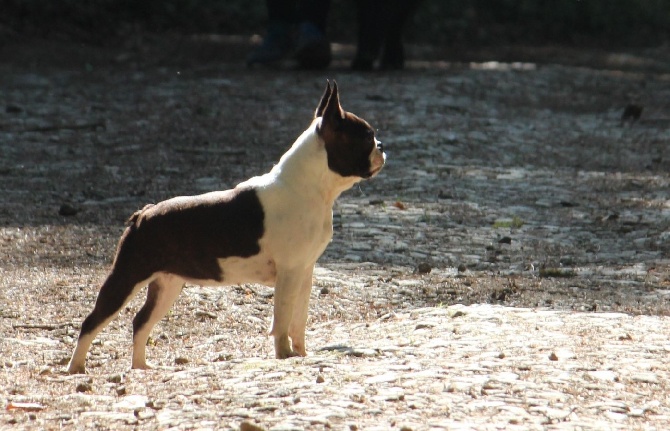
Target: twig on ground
{"points": [[47, 326]]}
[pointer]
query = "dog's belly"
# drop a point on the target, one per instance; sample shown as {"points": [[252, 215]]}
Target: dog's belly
{"points": [[259, 269]]}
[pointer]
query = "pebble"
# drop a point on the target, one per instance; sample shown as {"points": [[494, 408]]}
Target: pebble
{"points": [[248, 426], [13, 109], [115, 378], [67, 210], [608, 376], [84, 387], [131, 402], [424, 268], [360, 352], [645, 377]]}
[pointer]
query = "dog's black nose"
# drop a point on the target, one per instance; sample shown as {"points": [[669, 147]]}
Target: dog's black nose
{"points": [[380, 146]]}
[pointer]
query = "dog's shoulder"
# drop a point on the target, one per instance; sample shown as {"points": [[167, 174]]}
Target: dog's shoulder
{"points": [[259, 182]]}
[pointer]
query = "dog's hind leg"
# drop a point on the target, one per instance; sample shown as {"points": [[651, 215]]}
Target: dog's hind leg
{"points": [[161, 295], [115, 292]]}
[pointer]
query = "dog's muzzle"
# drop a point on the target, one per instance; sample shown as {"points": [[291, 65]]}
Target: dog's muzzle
{"points": [[377, 159]]}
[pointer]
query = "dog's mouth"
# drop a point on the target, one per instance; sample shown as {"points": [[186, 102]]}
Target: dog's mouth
{"points": [[378, 161], [374, 172]]}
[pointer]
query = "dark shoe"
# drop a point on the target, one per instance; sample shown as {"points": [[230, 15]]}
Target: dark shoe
{"points": [[312, 48], [276, 45]]}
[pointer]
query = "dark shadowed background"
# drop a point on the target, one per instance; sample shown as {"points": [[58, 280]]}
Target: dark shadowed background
{"points": [[596, 23]]}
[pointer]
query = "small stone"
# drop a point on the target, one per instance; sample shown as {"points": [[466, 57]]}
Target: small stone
{"points": [[180, 360], [121, 390], [604, 375], [566, 261], [84, 387], [320, 378], [424, 268], [631, 112], [248, 426], [462, 267], [67, 210], [361, 353], [114, 378], [205, 314], [155, 404], [324, 291], [505, 240], [456, 313], [358, 398], [223, 357], [144, 414], [13, 109], [553, 357], [645, 377]]}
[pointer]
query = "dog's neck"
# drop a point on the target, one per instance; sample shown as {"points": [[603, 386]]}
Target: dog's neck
{"points": [[307, 162]]}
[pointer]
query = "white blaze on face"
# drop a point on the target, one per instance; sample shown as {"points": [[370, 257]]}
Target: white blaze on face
{"points": [[377, 159]]}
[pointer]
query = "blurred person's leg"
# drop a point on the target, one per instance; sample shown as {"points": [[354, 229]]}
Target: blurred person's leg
{"points": [[278, 41], [313, 47]]}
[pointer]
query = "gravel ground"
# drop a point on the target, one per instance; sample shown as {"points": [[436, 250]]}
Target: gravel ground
{"points": [[509, 268]]}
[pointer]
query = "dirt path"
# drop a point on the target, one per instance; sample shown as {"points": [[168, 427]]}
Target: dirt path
{"points": [[510, 268]]}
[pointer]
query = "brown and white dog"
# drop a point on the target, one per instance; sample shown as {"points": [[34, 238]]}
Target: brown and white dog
{"points": [[270, 229]]}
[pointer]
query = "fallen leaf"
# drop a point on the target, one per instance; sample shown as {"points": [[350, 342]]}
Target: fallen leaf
{"points": [[26, 407]]}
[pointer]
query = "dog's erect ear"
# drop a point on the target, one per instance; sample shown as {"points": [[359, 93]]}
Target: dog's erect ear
{"points": [[324, 101], [333, 114]]}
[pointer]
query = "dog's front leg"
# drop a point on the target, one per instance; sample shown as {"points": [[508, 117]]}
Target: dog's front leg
{"points": [[296, 329], [287, 292]]}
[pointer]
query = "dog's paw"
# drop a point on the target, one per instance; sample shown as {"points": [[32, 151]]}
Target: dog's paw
{"points": [[141, 366], [289, 354], [286, 352], [76, 369], [299, 350]]}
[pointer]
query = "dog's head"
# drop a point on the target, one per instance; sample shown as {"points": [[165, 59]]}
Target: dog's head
{"points": [[353, 150]]}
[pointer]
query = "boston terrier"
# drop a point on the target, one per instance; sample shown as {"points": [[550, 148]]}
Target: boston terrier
{"points": [[270, 229]]}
